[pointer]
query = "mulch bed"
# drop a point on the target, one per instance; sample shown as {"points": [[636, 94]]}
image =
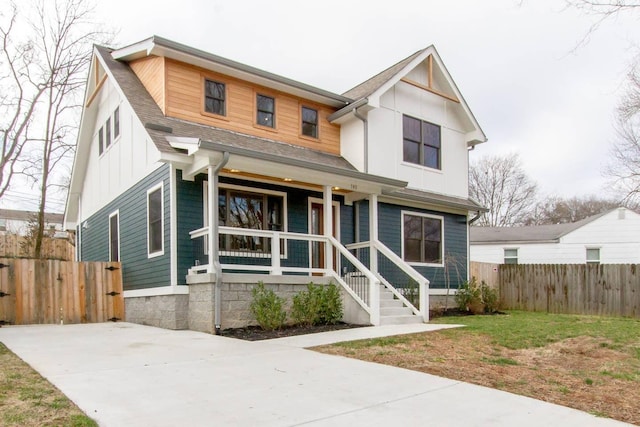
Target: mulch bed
{"points": [[256, 333]]}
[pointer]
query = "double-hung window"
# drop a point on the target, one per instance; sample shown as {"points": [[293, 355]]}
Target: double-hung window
{"points": [[116, 123], [155, 222], [511, 256], [422, 238], [215, 97], [266, 111], [309, 122], [101, 141], [421, 142]]}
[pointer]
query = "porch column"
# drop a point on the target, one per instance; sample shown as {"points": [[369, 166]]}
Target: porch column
{"points": [[328, 225], [212, 240], [374, 287], [373, 231]]}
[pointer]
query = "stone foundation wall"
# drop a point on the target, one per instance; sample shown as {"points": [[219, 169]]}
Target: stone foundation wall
{"points": [[236, 299], [163, 311]]}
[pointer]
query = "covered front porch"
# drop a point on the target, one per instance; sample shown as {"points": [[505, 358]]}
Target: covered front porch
{"points": [[282, 222]]}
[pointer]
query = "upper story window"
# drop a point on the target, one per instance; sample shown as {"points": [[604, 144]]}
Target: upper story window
{"points": [[107, 133], [593, 255], [214, 97], [422, 238], [116, 123], [421, 142], [266, 111], [511, 256], [101, 140], [310, 122]]}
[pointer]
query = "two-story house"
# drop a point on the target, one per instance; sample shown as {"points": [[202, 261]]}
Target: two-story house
{"points": [[367, 189]]}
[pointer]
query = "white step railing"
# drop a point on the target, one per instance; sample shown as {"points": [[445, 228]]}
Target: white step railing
{"points": [[382, 251]]}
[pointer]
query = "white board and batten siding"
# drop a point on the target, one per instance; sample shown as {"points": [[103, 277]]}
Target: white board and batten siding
{"points": [[616, 234], [127, 160], [385, 134]]}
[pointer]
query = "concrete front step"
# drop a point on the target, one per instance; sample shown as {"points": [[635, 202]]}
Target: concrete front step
{"points": [[400, 320], [390, 303], [395, 311]]}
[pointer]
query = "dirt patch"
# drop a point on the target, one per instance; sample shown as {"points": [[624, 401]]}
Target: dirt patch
{"points": [[584, 373], [256, 333]]}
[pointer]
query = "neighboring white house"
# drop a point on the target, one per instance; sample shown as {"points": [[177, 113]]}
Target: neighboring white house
{"points": [[17, 222], [611, 237]]}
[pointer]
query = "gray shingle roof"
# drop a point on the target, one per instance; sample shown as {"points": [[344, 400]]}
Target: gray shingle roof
{"points": [[149, 113], [533, 233], [367, 87], [439, 199]]}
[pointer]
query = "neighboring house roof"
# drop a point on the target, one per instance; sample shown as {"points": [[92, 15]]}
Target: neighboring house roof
{"points": [[17, 215], [528, 234]]}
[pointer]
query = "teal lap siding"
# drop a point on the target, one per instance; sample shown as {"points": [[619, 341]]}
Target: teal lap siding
{"points": [[138, 270]]}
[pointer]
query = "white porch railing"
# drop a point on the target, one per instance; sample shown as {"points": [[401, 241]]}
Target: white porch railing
{"points": [[278, 252]]}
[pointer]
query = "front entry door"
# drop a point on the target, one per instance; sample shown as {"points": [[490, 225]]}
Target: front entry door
{"points": [[316, 226]]}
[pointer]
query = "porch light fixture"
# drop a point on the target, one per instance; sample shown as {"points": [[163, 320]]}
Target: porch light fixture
{"points": [[336, 188], [234, 170], [287, 179]]}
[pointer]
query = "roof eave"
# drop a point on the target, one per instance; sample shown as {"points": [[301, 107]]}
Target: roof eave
{"points": [[163, 47]]}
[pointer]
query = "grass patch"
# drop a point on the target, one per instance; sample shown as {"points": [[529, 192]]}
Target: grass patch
{"points": [[27, 399], [500, 361], [520, 329]]}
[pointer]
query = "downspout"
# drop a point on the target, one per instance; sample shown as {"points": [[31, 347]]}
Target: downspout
{"points": [[215, 244], [475, 218], [366, 138]]}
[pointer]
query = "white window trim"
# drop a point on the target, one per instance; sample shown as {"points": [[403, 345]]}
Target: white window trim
{"points": [[504, 255], [149, 191], [117, 212], [113, 121], [424, 215], [285, 219], [586, 250]]}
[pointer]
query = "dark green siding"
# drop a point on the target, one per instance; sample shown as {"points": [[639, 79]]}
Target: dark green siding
{"points": [[190, 217], [455, 243], [138, 270]]}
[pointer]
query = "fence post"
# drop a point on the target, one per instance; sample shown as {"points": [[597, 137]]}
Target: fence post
{"points": [[374, 301]]}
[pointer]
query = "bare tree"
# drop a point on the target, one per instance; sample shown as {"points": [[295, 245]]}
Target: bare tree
{"points": [[602, 10], [59, 35], [500, 184], [557, 210], [19, 95], [624, 164]]}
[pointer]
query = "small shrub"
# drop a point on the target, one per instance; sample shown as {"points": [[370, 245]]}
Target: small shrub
{"points": [[330, 305], [412, 293], [489, 297], [318, 305], [477, 298], [267, 307], [468, 294]]}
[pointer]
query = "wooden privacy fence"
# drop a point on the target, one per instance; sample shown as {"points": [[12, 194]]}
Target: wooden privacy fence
{"points": [[12, 245], [50, 291], [606, 290]]}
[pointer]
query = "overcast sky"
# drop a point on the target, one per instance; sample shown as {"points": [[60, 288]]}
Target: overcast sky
{"points": [[534, 89], [519, 64]]}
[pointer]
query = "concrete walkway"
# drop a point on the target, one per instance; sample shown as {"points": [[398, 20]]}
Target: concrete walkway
{"points": [[123, 374]]}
